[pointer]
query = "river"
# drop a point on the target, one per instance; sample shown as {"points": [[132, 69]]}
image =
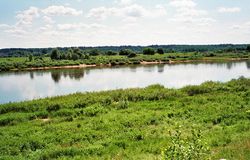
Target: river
{"points": [[28, 85]]}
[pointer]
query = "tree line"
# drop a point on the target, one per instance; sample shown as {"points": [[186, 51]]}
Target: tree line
{"points": [[76, 53], [109, 50]]}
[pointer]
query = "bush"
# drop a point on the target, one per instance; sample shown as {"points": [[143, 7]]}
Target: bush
{"points": [[93, 110], [54, 107], [191, 148], [122, 104], [194, 90], [132, 55]]}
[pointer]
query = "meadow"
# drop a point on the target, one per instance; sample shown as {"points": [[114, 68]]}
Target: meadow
{"points": [[130, 123]]}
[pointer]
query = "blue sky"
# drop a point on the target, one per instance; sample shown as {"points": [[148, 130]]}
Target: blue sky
{"points": [[54, 23]]}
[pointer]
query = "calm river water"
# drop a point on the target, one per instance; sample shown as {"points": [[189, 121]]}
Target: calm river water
{"points": [[20, 86]]}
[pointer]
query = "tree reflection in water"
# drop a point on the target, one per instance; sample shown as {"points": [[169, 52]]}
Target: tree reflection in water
{"points": [[248, 64], [74, 74]]}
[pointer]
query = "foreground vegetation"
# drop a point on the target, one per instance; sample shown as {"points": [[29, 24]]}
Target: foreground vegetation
{"points": [[131, 124]]}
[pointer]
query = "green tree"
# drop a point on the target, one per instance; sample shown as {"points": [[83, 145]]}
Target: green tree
{"points": [[63, 56], [148, 51], [248, 48], [125, 52], [75, 56], [78, 52], [94, 52], [160, 51], [110, 53], [69, 54], [30, 58], [44, 51], [55, 54]]}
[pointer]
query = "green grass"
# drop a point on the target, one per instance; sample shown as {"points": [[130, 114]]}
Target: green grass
{"points": [[21, 63], [128, 124]]}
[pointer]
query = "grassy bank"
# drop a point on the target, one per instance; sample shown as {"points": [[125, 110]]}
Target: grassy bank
{"points": [[128, 124], [22, 63]]}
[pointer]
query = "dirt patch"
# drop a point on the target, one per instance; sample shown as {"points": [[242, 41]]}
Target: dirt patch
{"points": [[45, 119]]}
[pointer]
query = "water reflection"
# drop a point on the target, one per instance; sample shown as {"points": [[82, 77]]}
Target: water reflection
{"points": [[31, 75], [74, 74], [38, 84], [161, 68], [248, 64]]}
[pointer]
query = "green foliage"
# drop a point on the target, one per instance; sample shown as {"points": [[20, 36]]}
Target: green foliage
{"points": [[110, 53], [248, 48], [125, 52], [190, 148], [55, 54], [54, 107], [132, 55], [94, 52], [160, 51], [30, 58], [148, 51]]}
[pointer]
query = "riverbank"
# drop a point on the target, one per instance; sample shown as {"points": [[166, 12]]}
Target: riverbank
{"points": [[43, 62], [128, 124], [204, 60]]}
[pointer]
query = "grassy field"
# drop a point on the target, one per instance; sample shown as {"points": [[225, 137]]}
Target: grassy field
{"points": [[128, 124], [21, 63]]}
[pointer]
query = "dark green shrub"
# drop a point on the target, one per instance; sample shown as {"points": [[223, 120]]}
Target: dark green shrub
{"points": [[194, 90], [53, 108], [42, 114], [6, 121], [94, 110], [64, 113]]}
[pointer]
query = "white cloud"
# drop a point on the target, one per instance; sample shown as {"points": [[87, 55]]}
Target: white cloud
{"points": [[188, 13], [47, 27], [183, 3], [16, 31], [248, 24], [236, 27], [124, 2], [243, 27], [101, 12], [26, 17], [48, 20], [61, 10], [134, 11], [229, 10], [70, 26], [131, 11], [79, 26], [4, 26]]}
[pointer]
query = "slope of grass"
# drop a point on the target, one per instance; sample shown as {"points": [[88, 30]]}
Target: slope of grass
{"points": [[128, 124]]}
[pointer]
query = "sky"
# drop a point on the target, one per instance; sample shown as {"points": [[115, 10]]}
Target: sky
{"points": [[66, 23]]}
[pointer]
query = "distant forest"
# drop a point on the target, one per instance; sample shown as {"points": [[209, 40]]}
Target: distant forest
{"points": [[20, 52]]}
